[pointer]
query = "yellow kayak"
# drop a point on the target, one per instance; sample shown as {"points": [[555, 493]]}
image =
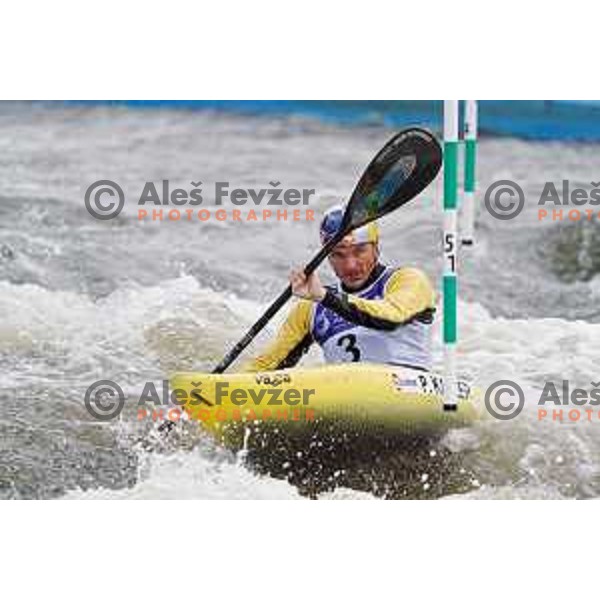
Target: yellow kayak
{"points": [[358, 397]]}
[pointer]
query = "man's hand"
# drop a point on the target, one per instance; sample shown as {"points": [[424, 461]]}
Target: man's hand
{"points": [[309, 287]]}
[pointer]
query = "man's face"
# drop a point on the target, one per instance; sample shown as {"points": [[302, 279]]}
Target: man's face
{"points": [[353, 263]]}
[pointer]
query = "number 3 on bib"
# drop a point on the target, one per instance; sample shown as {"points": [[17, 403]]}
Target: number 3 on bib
{"points": [[348, 343]]}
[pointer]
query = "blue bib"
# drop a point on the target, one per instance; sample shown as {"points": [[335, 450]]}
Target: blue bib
{"points": [[343, 341]]}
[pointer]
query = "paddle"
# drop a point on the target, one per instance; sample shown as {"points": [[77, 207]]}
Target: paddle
{"points": [[402, 169]]}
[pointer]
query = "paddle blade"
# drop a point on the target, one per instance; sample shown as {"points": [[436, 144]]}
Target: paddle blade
{"points": [[402, 169]]}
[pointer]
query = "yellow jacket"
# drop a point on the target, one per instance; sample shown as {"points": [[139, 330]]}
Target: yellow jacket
{"points": [[408, 295]]}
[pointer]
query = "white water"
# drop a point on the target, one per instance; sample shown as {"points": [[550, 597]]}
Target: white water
{"points": [[83, 301]]}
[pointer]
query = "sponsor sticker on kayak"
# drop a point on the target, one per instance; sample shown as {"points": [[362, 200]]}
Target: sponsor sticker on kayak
{"points": [[401, 383], [428, 383], [273, 378]]}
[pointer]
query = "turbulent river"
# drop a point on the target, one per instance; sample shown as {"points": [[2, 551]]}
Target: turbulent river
{"points": [[132, 300]]}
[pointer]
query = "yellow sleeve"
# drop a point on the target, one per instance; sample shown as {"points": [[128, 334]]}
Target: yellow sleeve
{"points": [[408, 293], [291, 341]]}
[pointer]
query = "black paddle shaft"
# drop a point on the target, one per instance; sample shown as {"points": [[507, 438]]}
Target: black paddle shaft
{"points": [[274, 308], [403, 168]]}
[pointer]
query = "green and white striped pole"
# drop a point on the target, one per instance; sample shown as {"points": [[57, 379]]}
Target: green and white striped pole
{"points": [[450, 250], [470, 138]]}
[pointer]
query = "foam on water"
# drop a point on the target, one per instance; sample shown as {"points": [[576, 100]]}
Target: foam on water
{"points": [[529, 455], [207, 473], [145, 332], [129, 301], [521, 458], [190, 475]]}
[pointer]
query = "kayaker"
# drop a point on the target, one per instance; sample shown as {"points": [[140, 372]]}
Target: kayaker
{"points": [[376, 313]]}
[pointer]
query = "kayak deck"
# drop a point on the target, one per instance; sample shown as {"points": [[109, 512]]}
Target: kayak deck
{"points": [[345, 396]]}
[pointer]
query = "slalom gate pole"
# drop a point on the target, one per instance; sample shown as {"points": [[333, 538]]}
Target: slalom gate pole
{"points": [[449, 284], [470, 142]]}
